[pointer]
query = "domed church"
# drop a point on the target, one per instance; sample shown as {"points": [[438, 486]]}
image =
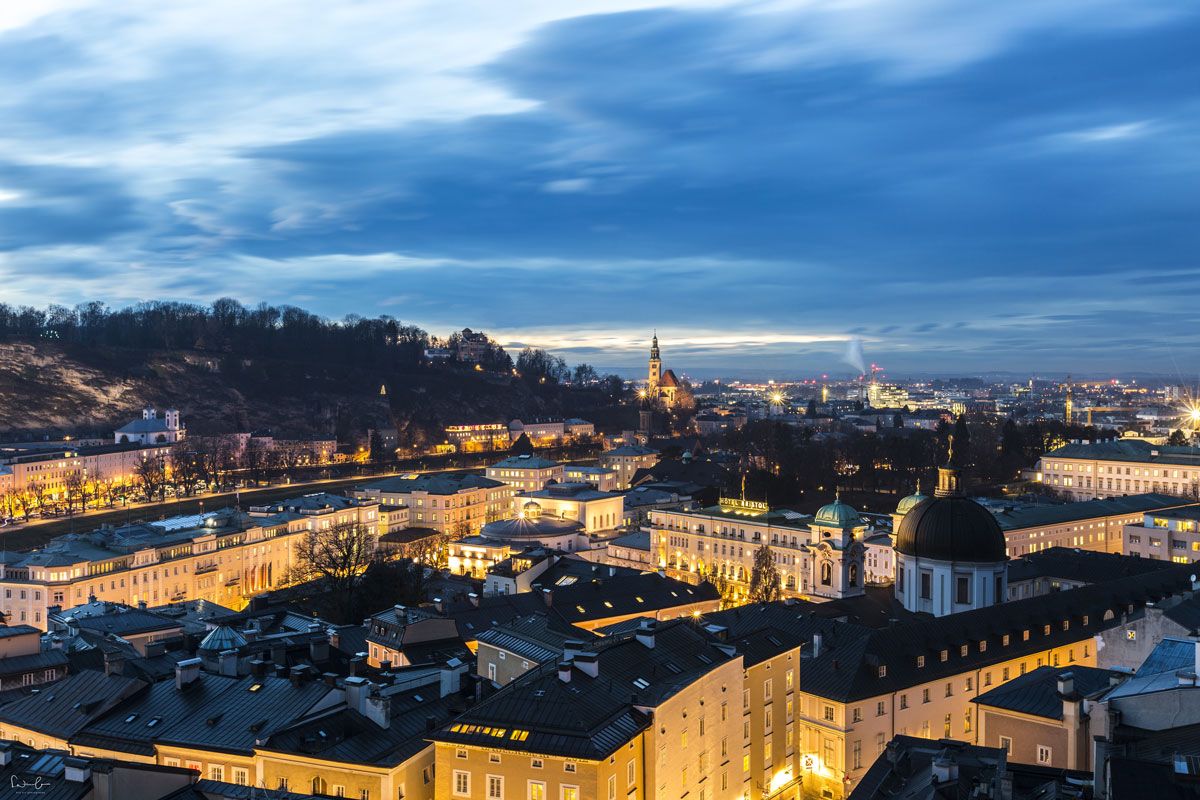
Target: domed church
{"points": [[950, 551], [837, 552]]}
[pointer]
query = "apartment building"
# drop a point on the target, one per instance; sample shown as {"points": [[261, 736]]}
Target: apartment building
{"points": [[525, 473], [652, 713], [456, 503], [596, 511], [601, 478], [1170, 535], [626, 460], [222, 556], [1087, 524], [1084, 471], [51, 473]]}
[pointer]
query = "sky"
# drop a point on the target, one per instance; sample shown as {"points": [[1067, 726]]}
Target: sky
{"points": [[962, 185]]}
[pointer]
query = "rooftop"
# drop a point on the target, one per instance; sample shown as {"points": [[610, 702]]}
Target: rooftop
{"points": [[436, 483], [1037, 692], [1042, 515], [1134, 450]]}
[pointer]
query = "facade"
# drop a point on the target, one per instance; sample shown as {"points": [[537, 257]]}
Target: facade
{"points": [[455, 503], [152, 429], [57, 474], [224, 557], [1130, 466], [631, 550], [821, 556], [22, 660], [601, 478], [596, 511], [1086, 524], [545, 433], [1168, 535], [480, 437], [626, 460], [525, 472]]}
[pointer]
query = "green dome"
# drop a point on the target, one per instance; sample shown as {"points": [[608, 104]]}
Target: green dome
{"points": [[838, 515], [907, 503]]}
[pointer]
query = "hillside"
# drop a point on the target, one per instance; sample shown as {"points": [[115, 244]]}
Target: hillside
{"points": [[51, 387]]}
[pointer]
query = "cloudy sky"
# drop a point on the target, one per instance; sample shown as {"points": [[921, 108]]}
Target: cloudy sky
{"points": [[964, 185]]}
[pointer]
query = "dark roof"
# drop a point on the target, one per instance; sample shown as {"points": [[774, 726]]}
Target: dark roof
{"points": [[1039, 516], [1169, 655], [19, 665], [530, 528], [539, 637], [953, 528], [848, 665], [1128, 450], [1036, 692], [599, 598], [8, 631], [215, 711], [904, 770], [63, 708], [1073, 564], [433, 483], [590, 717]]}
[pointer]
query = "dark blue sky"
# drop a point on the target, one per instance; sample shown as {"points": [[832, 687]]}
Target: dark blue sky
{"points": [[962, 185]]}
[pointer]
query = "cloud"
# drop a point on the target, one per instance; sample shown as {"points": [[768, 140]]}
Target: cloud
{"points": [[948, 177]]}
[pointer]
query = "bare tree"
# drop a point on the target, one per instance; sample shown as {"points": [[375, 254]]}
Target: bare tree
{"points": [[76, 489], [185, 467], [256, 458], [336, 556], [215, 458], [765, 585], [150, 476]]}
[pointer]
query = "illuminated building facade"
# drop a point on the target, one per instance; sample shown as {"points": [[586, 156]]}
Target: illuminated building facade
{"points": [[455, 503], [1129, 466], [223, 556]]}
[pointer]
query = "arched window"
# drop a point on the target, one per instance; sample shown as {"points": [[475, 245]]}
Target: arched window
{"points": [[791, 581], [318, 785], [826, 574], [854, 574]]}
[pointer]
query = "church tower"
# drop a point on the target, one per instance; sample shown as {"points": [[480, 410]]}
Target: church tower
{"points": [[655, 374]]}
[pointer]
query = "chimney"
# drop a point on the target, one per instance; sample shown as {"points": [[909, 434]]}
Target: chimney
{"points": [[357, 662], [258, 667], [385, 665], [155, 649], [816, 645], [439, 605], [279, 653], [564, 671], [142, 605], [572, 647], [378, 708], [588, 663], [474, 598], [944, 769], [335, 638], [299, 674], [187, 672], [6, 753], [318, 648], [645, 633], [430, 724], [228, 663], [77, 770], [251, 632], [330, 678], [114, 663], [1066, 684], [356, 691], [548, 596]]}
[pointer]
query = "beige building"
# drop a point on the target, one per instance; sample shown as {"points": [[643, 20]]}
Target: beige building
{"points": [[596, 511], [626, 460], [456, 503], [223, 556], [1169, 535], [1087, 524], [525, 473], [478, 438], [601, 478], [52, 473], [1086, 471]]}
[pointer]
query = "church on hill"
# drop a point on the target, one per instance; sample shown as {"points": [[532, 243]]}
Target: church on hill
{"points": [[661, 386]]}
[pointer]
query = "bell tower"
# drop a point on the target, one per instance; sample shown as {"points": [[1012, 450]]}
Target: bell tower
{"points": [[655, 373]]}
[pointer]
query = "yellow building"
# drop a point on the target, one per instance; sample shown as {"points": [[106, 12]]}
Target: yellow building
{"points": [[224, 556], [456, 503]]}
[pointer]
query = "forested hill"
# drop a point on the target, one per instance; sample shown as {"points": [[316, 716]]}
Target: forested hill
{"points": [[227, 367]]}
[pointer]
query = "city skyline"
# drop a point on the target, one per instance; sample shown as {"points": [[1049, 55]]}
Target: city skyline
{"points": [[963, 188]]}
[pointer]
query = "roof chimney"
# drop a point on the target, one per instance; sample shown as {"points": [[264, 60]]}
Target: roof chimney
{"points": [[645, 632], [228, 662], [572, 647], [439, 605], [474, 598], [944, 769], [564, 671], [77, 770], [816, 645], [187, 672], [548, 596], [588, 663], [1066, 684], [318, 648]]}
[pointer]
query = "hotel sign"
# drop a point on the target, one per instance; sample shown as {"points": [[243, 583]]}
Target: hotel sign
{"points": [[744, 506]]}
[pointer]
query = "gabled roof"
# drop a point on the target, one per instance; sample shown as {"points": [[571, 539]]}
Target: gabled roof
{"points": [[539, 637], [669, 381]]}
